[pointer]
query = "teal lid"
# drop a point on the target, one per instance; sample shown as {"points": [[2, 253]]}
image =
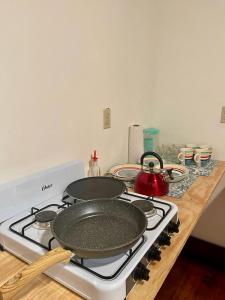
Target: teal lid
{"points": [[152, 131]]}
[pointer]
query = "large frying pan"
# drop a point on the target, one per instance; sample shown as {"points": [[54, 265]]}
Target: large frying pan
{"points": [[91, 229], [100, 187]]}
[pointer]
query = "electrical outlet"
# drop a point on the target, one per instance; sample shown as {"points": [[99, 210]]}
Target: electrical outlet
{"points": [[106, 118], [222, 115]]}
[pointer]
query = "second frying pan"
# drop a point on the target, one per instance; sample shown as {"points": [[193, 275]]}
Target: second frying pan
{"points": [[91, 188]]}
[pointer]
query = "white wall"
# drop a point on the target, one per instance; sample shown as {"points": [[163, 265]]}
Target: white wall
{"points": [[189, 72], [62, 63], [189, 89]]}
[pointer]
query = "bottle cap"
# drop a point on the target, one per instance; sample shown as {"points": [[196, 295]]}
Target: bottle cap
{"points": [[152, 131], [94, 157]]}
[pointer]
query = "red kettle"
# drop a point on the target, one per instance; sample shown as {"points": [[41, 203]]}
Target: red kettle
{"points": [[152, 182]]}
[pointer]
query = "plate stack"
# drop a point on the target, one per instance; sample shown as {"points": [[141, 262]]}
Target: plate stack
{"points": [[125, 172]]}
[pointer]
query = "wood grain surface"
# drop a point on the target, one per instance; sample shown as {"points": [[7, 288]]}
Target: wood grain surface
{"points": [[22, 278], [190, 208]]}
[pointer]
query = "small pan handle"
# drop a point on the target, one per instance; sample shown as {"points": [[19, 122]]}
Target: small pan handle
{"points": [[18, 281]]}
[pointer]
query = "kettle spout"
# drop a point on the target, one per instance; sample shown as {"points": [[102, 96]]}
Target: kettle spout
{"points": [[170, 174]]}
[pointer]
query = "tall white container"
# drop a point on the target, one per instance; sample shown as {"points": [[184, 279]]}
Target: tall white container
{"points": [[135, 143]]}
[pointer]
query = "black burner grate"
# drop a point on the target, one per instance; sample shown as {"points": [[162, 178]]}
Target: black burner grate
{"points": [[34, 211], [165, 212], [81, 262]]}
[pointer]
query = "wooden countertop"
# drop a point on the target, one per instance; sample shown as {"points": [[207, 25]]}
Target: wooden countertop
{"points": [[190, 207]]}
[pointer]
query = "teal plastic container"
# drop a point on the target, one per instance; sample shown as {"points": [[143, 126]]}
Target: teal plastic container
{"points": [[150, 139]]}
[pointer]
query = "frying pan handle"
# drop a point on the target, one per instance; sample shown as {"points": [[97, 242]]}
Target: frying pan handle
{"points": [[18, 281]]}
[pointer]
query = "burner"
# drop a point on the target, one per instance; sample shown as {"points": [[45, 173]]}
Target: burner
{"points": [[43, 219], [45, 216], [147, 207]]}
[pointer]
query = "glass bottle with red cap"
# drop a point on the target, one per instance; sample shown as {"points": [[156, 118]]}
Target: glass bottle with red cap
{"points": [[94, 169]]}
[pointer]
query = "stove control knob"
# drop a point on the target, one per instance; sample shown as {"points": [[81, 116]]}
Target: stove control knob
{"points": [[163, 239], [153, 254], [173, 227], [140, 273]]}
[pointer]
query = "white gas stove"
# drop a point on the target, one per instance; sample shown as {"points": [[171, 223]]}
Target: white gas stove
{"points": [[29, 237]]}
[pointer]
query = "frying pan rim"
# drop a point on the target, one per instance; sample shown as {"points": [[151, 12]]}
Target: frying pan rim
{"points": [[131, 242], [97, 177]]}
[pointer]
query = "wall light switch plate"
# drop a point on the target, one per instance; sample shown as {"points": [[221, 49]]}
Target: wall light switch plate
{"points": [[107, 118], [222, 120]]}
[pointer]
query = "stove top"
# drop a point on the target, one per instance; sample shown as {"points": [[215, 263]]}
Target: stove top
{"points": [[27, 235]]}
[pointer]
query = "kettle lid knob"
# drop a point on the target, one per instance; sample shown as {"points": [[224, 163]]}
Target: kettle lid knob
{"points": [[151, 165]]}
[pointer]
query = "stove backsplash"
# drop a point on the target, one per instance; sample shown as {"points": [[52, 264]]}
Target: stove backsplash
{"points": [[31, 190]]}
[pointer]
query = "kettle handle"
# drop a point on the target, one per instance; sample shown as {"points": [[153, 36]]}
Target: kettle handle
{"points": [[153, 154]]}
